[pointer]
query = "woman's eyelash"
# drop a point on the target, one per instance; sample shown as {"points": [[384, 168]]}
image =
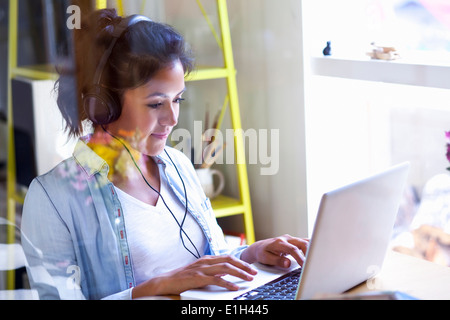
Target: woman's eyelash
{"points": [[156, 105]]}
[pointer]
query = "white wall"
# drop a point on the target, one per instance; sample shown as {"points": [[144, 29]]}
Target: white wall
{"points": [[267, 44]]}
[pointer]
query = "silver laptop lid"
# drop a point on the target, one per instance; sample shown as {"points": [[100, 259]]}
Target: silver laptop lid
{"points": [[351, 233]]}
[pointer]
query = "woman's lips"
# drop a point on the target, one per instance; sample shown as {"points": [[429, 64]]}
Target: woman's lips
{"points": [[161, 136]]}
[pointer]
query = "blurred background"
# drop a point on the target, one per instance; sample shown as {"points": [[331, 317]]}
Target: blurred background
{"points": [[340, 117]]}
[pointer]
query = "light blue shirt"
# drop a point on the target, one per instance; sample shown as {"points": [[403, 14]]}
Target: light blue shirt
{"points": [[73, 229]]}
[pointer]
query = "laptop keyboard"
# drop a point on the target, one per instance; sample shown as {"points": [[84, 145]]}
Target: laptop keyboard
{"points": [[282, 288]]}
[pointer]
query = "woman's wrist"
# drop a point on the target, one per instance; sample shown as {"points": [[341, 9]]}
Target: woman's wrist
{"points": [[249, 254], [152, 287]]}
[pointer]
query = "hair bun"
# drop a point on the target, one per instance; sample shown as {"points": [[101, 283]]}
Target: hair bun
{"points": [[105, 20]]}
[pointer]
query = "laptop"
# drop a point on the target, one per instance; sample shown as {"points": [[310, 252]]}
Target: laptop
{"points": [[348, 244]]}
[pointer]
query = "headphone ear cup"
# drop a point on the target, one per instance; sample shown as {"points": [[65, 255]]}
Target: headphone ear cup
{"points": [[101, 105]]}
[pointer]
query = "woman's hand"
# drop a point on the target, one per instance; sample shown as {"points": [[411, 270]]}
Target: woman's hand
{"points": [[274, 251], [207, 270]]}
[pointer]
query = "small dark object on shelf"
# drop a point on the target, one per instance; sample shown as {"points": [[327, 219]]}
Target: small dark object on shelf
{"points": [[327, 50]]}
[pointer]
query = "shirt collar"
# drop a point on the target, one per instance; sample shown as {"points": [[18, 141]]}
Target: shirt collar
{"points": [[161, 158], [93, 163], [88, 159]]}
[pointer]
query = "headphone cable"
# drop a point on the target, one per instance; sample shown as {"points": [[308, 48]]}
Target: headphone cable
{"points": [[197, 255]]}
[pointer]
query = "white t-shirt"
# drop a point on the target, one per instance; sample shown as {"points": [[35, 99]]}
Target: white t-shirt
{"points": [[154, 235]]}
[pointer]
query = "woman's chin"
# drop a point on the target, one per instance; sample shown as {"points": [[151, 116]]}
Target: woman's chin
{"points": [[154, 149]]}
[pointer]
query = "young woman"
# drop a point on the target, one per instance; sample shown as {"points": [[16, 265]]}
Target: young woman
{"points": [[125, 216]]}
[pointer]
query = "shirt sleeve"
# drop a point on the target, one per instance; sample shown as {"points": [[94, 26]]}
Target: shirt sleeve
{"points": [[52, 266], [123, 295]]}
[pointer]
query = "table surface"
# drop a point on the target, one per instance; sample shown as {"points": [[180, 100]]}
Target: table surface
{"points": [[413, 276]]}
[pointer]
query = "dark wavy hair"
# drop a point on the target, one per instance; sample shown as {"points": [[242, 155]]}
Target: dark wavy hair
{"points": [[141, 51]]}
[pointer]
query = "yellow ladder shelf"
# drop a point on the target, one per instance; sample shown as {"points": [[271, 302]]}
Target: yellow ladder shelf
{"points": [[223, 206]]}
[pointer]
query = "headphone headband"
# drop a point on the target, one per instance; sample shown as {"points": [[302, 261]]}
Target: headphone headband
{"points": [[117, 33], [128, 22], [99, 103]]}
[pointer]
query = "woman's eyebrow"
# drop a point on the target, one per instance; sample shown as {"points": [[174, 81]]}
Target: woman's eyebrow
{"points": [[163, 95]]}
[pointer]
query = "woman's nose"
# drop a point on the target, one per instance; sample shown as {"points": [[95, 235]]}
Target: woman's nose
{"points": [[170, 115]]}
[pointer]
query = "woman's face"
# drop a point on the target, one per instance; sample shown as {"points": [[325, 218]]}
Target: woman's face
{"points": [[150, 111]]}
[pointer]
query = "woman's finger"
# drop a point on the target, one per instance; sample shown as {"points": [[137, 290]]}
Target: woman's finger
{"points": [[225, 268], [226, 259], [277, 249]]}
